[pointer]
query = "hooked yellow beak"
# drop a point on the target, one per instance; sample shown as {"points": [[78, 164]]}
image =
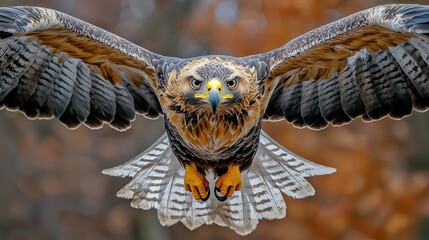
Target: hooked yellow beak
{"points": [[214, 94]]}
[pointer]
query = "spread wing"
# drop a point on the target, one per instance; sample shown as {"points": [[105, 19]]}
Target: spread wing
{"points": [[371, 64], [54, 65]]}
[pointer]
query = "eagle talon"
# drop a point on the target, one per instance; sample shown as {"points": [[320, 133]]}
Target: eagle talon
{"points": [[196, 182], [220, 198], [208, 195], [228, 183]]}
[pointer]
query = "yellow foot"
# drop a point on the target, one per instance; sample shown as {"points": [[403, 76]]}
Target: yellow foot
{"points": [[196, 182], [228, 183]]}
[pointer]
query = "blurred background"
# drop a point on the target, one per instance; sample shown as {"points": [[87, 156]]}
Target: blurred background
{"points": [[51, 186]]}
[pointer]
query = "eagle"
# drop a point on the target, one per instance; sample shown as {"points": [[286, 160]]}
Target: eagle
{"points": [[369, 65]]}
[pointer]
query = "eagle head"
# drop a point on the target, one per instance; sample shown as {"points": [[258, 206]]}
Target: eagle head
{"points": [[213, 87]]}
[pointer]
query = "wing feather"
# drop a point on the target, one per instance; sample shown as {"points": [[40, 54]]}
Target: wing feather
{"points": [[64, 85], [310, 110], [17, 60], [54, 65], [351, 98], [103, 101], [371, 64], [79, 107]]}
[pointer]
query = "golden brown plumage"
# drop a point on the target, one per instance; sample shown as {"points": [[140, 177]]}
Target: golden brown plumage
{"points": [[212, 132], [323, 60]]}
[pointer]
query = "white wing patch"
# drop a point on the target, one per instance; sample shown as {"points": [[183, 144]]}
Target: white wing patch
{"points": [[158, 183]]}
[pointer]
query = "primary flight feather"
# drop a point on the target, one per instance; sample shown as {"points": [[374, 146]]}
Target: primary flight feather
{"points": [[371, 64]]}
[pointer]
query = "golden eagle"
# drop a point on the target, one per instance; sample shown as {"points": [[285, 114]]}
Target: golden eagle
{"points": [[371, 64]]}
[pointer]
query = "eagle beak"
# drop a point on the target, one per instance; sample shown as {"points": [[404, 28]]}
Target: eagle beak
{"points": [[214, 97], [214, 94]]}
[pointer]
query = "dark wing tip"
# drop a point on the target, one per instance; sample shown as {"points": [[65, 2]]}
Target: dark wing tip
{"points": [[4, 35]]}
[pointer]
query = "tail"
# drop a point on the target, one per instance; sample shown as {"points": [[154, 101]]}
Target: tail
{"points": [[158, 183]]}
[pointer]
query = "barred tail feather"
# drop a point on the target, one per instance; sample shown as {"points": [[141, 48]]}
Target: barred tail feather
{"points": [[158, 183]]}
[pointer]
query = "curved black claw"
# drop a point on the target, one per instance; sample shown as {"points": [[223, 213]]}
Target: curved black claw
{"points": [[208, 195], [220, 198]]}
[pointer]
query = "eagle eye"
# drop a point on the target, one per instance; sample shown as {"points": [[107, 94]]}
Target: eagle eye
{"points": [[232, 83], [195, 83]]}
